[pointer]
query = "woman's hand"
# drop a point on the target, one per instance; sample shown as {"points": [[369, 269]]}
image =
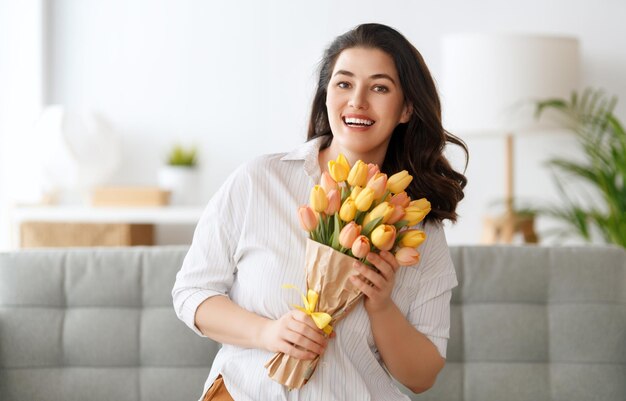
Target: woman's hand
{"points": [[294, 328], [378, 293]]}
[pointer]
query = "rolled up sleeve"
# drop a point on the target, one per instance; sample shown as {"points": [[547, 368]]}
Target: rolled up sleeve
{"points": [[209, 268]]}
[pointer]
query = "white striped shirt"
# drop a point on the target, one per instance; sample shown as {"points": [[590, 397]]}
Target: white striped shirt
{"points": [[248, 243]]}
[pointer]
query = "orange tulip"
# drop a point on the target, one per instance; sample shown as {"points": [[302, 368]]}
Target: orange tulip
{"points": [[348, 234], [407, 256], [400, 199], [379, 184], [361, 247], [328, 183], [396, 215], [372, 170], [334, 202], [308, 219]]}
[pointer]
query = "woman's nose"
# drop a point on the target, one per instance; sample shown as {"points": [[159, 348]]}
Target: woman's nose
{"points": [[358, 100]]}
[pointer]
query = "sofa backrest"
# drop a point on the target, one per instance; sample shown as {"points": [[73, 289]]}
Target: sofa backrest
{"points": [[536, 323], [96, 324], [527, 323]]}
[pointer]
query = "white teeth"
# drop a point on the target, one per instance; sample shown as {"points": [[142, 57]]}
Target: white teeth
{"points": [[350, 120]]}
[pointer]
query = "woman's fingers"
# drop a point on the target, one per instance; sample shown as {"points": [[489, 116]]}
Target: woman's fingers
{"points": [[375, 278], [298, 339], [390, 259], [292, 350], [304, 328], [359, 282], [386, 270], [304, 342]]}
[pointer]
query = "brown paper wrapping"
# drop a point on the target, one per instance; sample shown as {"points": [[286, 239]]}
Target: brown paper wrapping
{"points": [[327, 273]]}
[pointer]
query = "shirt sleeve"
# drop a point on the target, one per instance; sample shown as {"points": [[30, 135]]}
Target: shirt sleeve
{"points": [[429, 313], [209, 267]]}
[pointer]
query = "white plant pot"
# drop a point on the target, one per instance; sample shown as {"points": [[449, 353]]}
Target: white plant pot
{"points": [[183, 182]]}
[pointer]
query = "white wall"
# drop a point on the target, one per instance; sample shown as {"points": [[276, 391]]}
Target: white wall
{"points": [[21, 97], [237, 77]]}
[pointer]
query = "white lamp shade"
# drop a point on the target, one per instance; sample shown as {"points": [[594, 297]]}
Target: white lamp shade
{"points": [[78, 150], [489, 81]]}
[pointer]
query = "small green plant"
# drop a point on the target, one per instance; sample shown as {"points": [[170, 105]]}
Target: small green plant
{"points": [[181, 156], [602, 140]]}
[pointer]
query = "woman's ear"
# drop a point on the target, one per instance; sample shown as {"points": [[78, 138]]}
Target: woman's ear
{"points": [[407, 112]]}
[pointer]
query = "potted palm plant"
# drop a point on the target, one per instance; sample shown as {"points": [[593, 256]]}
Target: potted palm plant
{"points": [[180, 175], [602, 171]]}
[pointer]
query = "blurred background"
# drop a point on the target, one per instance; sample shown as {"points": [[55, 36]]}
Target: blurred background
{"points": [[99, 94]]}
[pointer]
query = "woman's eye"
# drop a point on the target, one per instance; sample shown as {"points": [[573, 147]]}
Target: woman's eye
{"points": [[343, 85], [381, 89]]}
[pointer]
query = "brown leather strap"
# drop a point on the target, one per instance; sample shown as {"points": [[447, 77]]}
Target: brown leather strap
{"points": [[217, 391]]}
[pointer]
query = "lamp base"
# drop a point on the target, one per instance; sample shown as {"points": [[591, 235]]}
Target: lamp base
{"points": [[502, 229]]}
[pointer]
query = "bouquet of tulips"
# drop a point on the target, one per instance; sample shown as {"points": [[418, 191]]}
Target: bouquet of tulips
{"points": [[354, 211]]}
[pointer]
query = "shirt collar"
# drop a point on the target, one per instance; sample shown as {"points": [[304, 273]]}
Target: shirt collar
{"points": [[309, 153]]}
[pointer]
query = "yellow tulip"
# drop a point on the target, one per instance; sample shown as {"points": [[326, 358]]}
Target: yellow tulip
{"points": [[339, 168], [358, 174], [355, 192], [413, 215], [399, 181], [318, 199], [407, 256], [412, 238], [383, 237], [422, 204], [383, 210], [365, 199], [416, 211], [341, 159], [348, 210]]}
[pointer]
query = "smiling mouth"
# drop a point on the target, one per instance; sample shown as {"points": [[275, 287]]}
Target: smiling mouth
{"points": [[357, 122]]}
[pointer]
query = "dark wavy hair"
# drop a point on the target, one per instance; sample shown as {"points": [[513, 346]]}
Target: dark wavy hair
{"points": [[416, 146]]}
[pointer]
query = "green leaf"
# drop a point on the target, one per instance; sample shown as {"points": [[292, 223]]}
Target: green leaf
{"points": [[335, 236], [367, 229], [602, 141], [398, 225]]}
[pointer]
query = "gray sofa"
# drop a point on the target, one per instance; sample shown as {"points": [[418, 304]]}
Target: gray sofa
{"points": [[528, 323]]}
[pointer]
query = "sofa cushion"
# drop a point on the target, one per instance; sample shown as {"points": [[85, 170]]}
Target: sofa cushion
{"points": [[527, 323], [97, 324]]}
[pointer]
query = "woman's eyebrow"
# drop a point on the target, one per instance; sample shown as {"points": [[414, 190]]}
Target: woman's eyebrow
{"points": [[375, 76]]}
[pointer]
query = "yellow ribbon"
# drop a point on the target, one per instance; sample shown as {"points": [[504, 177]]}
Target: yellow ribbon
{"points": [[321, 319]]}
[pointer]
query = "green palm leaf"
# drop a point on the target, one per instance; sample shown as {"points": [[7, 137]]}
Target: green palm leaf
{"points": [[602, 139]]}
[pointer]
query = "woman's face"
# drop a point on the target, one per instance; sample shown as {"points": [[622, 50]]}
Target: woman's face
{"points": [[365, 101]]}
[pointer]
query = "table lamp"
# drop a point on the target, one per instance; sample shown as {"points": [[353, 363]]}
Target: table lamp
{"points": [[488, 86]]}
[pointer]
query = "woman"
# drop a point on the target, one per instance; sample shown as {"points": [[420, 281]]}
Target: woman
{"points": [[376, 102]]}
